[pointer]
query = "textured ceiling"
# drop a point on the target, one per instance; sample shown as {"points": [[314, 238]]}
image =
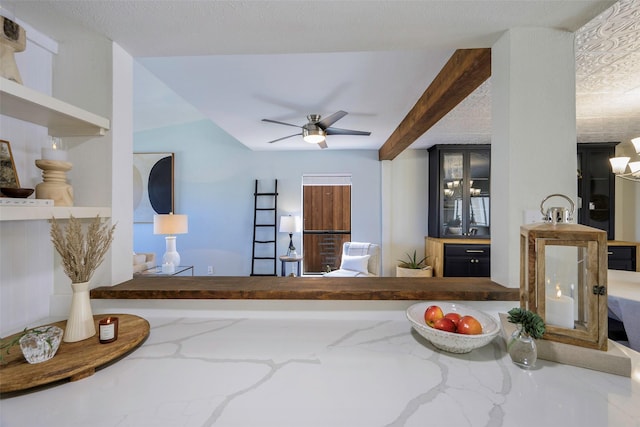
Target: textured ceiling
{"points": [[237, 62]]}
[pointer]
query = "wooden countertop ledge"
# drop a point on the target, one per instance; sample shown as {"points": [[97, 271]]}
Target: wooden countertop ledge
{"points": [[309, 288]]}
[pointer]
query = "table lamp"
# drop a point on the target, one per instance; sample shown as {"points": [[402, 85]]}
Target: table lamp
{"points": [[170, 225], [290, 224]]}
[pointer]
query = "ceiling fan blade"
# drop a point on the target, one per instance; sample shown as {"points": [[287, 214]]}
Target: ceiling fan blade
{"points": [[323, 144], [284, 137], [328, 121], [280, 123], [336, 131]]}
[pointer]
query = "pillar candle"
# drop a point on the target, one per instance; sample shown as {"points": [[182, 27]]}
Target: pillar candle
{"points": [[559, 310], [53, 154], [53, 150]]}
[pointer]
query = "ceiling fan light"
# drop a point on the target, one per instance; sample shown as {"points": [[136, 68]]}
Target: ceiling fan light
{"points": [[313, 136], [619, 164], [636, 144]]}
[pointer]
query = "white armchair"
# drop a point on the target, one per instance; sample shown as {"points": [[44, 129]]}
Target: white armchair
{"points": [[143, 261], [358, 260]]}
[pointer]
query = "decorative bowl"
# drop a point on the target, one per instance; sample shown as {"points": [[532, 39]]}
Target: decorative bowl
{"points": [[450, 341], [41, 344], [17, 192]]}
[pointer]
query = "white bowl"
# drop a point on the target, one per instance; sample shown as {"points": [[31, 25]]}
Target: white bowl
{"points": [[450, 341]]}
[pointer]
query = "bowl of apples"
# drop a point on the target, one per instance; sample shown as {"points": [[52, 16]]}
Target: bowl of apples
{"points": [[453, 327]]}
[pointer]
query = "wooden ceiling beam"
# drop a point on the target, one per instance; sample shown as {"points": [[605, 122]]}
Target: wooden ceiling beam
{"points": [[462, 74]]}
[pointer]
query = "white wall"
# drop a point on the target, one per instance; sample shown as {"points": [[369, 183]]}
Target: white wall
{"points": [[627, 200], [80, 71], [533, 147], [214, 185], [405, 207], [26, 255]]}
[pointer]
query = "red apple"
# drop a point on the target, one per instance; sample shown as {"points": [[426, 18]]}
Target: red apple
{"points": [[469, 325], [455, 317], [431, 314], [445, 324]]}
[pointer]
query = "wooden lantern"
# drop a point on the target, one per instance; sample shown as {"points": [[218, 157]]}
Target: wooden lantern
{"points": [[563, 278]]}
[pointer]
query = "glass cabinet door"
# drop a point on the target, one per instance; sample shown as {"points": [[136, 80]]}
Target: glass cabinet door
{"points": [[479, 200], [452, 193], [459, 200]]}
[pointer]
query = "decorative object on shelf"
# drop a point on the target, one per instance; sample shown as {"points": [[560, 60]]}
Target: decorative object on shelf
{"points": [[412, 267], [563, 279], [13, 39], [53, 150], [152, 185], [18, 193], [81, 255], [54, 182], [619, 164], [41, 344], [290, 224], [170, 225], [108, 329], [522, 346], [8, 172]]}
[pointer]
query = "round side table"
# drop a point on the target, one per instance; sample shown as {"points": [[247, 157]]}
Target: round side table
{"points": [[284, 259]]}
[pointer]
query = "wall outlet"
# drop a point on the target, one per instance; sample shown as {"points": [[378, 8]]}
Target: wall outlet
{"points": [[210, 270], [531, 216]]}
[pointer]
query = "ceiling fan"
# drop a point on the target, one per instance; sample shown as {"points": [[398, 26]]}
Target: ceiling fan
{"points": [[316, 130]]}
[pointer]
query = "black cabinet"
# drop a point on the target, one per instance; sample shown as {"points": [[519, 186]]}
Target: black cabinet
{"points": [[467, 260], [622, 257], [459, 183], [596, 186]]}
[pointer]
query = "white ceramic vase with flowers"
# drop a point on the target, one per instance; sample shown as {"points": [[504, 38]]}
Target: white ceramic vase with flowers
{"points": [[81, 255]]}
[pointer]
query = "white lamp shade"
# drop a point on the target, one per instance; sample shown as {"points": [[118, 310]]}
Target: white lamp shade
{"points": [[635, 168], [170, 224], [619, 164], [636, 144], [289, 224]]}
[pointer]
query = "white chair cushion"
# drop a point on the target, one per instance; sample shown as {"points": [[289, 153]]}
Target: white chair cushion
{"points": [[345, 273], [355, 263], [139, 259]]}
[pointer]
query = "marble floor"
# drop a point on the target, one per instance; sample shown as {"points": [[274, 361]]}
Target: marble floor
{"points": [[351, 371]]}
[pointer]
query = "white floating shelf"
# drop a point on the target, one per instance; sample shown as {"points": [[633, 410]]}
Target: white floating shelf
{"points": [[28, 213], [62, 119]]}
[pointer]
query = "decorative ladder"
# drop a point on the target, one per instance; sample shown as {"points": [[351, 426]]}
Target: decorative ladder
{"points": [[264, 231]]}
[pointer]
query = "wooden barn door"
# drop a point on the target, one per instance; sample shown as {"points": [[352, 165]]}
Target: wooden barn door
{"points": [[326, 224]]}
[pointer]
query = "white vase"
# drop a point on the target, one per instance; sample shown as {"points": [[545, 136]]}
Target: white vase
{"points": [[80, 324]]}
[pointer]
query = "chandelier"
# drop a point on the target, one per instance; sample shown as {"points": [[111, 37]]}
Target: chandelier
{"points": [[619, 164]]}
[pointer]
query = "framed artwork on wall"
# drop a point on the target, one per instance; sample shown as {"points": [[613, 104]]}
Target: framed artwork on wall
{"points": [[152, 185], [8, 172]]}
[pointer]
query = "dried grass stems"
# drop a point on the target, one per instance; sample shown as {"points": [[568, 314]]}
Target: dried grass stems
{"points": [[81, 254]]}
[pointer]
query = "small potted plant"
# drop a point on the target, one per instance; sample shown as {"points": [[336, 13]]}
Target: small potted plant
{"points": [[522, 346], [412, 267]]}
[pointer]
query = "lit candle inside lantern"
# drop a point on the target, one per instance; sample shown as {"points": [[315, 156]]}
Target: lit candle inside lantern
{"points": [[108, 329], [559, 310], [54, 151]]}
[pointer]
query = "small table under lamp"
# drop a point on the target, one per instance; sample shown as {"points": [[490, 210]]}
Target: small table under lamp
{"points": [[170, 225], [290, 224]]}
